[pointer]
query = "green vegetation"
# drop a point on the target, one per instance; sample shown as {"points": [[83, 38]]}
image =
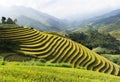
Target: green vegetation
{"points": [[3, 20], [113, 57], [36, 63], [7, 45], [109, 24], [95, 40], [102, 50], [8, 26], [37, 71], [8, 21], [52, 74], [54, 49], [2, 62], [116, 34]]}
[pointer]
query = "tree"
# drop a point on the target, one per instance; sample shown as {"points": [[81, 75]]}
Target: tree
{"points": [[3, 20], [10, 21], [93, 39], [15, 21]]}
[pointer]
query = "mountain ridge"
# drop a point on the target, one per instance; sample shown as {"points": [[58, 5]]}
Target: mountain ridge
{"points": [[107, 23], [33, 15]]}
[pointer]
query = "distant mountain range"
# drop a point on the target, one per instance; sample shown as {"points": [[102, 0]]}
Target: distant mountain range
{"points": [[33, 18], [109, 22]]}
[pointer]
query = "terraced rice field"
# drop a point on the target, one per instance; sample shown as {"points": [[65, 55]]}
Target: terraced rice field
{"points": [[58, 49]]}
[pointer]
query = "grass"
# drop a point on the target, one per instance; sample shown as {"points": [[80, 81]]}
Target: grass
{"points": [[35, 71], [8, 26], [52, 74], [35, 63]]}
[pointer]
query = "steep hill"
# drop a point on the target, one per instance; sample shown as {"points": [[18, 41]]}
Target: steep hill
{"points": [[35, 44]]}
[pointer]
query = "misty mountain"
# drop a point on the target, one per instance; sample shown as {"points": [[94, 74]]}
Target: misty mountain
{"points": [[33, 18], [107, 15], [80, 23], [112, 18], [107, 23], [24, 20]]}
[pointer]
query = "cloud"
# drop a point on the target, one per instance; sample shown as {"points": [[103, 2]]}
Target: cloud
{"points": [[63, 8]]}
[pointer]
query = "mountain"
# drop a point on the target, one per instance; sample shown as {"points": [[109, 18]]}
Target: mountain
{"points": [[23, 20], [109, 22], [33, 18]]}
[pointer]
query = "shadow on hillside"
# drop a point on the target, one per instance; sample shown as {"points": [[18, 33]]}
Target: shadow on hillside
{"points": [[8, 50]]}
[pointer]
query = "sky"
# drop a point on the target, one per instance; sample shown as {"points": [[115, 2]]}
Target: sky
{"points": [[66, 8]]}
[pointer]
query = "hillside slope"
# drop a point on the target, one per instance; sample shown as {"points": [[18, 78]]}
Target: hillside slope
{"points": [[52, 48]]}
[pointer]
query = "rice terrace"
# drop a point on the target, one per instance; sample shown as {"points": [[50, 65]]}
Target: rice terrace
{"points": [[36, 45], [45, 41]]}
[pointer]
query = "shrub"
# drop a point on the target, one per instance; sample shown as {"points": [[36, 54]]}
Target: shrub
{"points": [[59, 65], [8, 45], [2, 62], [42, 60]]}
